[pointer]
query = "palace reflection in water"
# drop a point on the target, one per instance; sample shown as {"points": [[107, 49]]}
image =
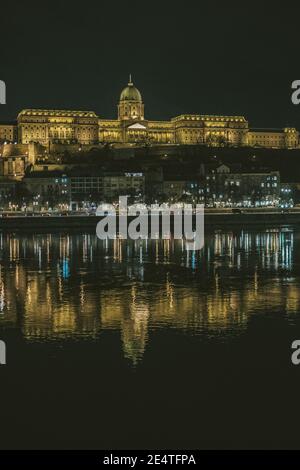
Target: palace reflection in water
{"points": [[70, 286]]}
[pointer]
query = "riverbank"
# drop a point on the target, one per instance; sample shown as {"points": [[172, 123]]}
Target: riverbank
{"points": [[86, 222]]}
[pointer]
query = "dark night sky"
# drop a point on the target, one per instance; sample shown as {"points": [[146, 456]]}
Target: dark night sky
{"points": [[198, 57]]}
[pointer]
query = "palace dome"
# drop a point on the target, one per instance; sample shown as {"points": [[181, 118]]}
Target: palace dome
{"points": [[130, 93]]}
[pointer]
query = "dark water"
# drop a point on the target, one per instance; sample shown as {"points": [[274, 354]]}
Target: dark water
{"points": [[145, 345]]}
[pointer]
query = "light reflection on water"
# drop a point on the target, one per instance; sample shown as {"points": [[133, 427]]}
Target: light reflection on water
{"points": [[62, 286]]}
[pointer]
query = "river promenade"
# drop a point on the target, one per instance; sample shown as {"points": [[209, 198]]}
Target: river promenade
{"points": [[213, 218]]}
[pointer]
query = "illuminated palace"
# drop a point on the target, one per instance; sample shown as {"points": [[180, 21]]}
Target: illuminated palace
{"points": [[86, 128]]}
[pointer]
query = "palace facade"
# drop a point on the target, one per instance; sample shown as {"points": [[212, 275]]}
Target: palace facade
{"points": [[86, 128]]}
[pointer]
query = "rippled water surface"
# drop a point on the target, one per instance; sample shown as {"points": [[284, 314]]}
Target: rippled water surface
{"points": [[142, 344]]}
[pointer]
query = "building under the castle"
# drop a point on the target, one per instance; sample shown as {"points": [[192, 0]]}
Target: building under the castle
{"points": [[86, 128]]}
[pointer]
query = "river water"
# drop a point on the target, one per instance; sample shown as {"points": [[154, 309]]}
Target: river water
{"points": [[141, 344]]}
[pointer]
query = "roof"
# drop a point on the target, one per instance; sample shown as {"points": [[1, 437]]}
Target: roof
{"points": [[130, 93], [8, 123], [45, 174], [205, 117], [56, 112], [261, 129]]}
